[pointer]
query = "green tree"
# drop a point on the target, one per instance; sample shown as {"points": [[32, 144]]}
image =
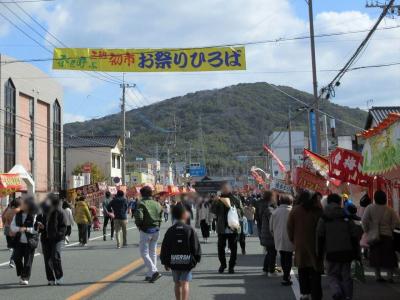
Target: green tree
{"points": [[96, 175]]}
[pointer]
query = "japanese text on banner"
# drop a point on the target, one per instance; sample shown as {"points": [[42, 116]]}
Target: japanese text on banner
{"points": [[150, 60]]}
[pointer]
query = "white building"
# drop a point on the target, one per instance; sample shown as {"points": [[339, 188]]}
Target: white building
{"points": [[103, 151], [279, 143]]}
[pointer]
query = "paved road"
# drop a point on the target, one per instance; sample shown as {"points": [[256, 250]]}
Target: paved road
{"points": [[101, 271]]}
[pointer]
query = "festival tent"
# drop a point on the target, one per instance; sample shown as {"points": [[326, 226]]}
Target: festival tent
{"points": [[382, 148], [382, 157], [26, 178]]}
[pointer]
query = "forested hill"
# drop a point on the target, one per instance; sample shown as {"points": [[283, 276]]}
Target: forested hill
{"points": [[230, 121]]}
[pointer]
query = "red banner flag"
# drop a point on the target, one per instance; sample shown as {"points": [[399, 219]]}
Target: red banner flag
{"points": [[280, 164], [346, 165]]}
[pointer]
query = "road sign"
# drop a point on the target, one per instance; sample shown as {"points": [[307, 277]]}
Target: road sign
{"points": [[197, 171]]}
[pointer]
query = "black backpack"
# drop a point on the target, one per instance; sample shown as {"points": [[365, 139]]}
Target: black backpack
{"points": [[180, 254]]}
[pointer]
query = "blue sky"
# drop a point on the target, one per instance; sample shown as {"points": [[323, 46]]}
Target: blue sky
{"points": [[177, 23]]}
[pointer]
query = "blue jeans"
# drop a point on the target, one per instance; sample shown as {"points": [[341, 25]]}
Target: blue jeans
{"points": [[250, 224]]}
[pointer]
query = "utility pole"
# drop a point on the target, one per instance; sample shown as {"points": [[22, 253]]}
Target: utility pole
{"points": [[290, 139], [203, 154], [124, 86], [392, 9], [314, 75]]}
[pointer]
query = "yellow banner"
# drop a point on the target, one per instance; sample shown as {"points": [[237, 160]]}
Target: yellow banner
{"points": [[150, 60]]}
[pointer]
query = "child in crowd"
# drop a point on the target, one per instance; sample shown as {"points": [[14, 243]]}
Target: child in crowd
{"points": [[180, 251], [95, 218], [69, 219]]}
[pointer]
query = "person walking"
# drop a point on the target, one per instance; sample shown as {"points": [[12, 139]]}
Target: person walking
{"points": [[249, 212], [7, 216], [220, 207], [301, 226], [83, 219], [378, 222], [26, 239], [180, 252], [119, 207], [167, 210], [267, 239], [203, 215], [69, 220], [52, 226], [107, 217], [278, 226], [337, 240], [148, 218], [260, 207]]}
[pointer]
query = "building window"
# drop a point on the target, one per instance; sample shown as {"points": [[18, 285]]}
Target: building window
{"points": [[57, 145], [9, 126], [31, 149], [113, 159], [118, 162]]}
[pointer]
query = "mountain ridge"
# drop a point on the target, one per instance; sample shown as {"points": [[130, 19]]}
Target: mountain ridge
{"points": [[233, 120]]}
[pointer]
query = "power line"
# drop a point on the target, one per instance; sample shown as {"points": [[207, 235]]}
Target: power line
{"points": [[57, 39], [230, 73], [26, 1], [37, 42], [277, 40], [329, 90], [308, 106]]}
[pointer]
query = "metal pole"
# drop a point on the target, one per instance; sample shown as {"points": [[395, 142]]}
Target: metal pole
{"points": [[314, 75], [123, 111], [326, 135], [290, 140], [123, 132], [308, 129]]}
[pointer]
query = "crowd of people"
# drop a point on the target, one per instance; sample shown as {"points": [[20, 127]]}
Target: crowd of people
{"points": [[322, 234]]}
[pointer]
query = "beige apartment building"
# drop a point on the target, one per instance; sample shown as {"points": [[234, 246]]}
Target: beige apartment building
{"points": [[103, 151], [31, 106]]}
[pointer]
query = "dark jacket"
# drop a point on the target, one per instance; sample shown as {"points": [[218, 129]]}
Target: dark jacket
{"points": [[32, 238], [220, 210], [55, 224], [119, 206], [261, 205], [266, 237], [337, 235], [180, 249], [301, 226]]}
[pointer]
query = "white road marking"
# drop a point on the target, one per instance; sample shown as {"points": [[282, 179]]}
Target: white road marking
{"points": [[295, 285], [70, 245]]}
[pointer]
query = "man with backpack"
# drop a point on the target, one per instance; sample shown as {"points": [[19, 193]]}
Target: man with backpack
{"points": [[148, 216], [337, 239], [180, 251], [221, 207]]}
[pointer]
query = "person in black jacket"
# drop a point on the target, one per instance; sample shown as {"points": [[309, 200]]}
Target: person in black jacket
{"points": [[180, 251], [338, 241], [26, 239], [52, 225], [119, 207]]}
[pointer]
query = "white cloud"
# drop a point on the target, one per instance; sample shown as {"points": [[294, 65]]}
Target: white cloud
{"points": [[181, 23], [68, 118]]}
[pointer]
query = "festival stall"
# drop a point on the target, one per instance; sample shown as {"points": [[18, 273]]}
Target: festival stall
{"points": [[313, 175], [345, 166], [9, 184], [381, 154]]}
